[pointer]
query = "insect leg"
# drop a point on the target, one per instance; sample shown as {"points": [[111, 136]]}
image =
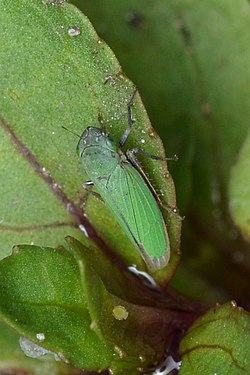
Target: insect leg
{"points": [[130, 154], [71, 131], [87, 183], [90, 183], [172, 210], [126, 133]]}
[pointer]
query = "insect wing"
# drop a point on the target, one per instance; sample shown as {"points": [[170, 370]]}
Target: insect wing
{"points": [[128, 196], [138, 213]]}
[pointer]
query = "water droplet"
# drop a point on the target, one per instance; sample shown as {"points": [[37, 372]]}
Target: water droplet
{"points": [[233, 303], [74, 31], [40, 336], [33, 350]]}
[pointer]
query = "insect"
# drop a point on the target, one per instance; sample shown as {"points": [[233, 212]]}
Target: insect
{"points": [[124, 188]]}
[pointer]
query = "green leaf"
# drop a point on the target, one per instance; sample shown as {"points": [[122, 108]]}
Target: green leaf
{"points": [[123, 331], [49, 78], [218, 343], [41, 292], [128, 285], [59, 294]]}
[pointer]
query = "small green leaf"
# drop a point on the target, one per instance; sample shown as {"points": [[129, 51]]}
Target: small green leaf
{"points": [[123, 332], [131, 329], [41, 292], [218, 343]]}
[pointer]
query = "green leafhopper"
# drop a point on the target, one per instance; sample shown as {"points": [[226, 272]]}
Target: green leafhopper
{"points": [[126, 191]]}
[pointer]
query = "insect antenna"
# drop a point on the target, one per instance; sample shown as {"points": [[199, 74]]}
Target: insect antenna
{"points": [[71, 131]]}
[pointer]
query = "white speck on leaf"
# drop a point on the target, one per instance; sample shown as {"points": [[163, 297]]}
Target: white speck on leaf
{"points": [[74, 31], [40, 336]]}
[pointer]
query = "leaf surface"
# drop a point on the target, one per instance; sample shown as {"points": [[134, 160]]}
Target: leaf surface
{"points": [[218, 343], [52, 77]]}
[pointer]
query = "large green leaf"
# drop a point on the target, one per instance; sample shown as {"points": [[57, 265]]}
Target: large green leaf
{"points": [[51, 76], [218, 343]]}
